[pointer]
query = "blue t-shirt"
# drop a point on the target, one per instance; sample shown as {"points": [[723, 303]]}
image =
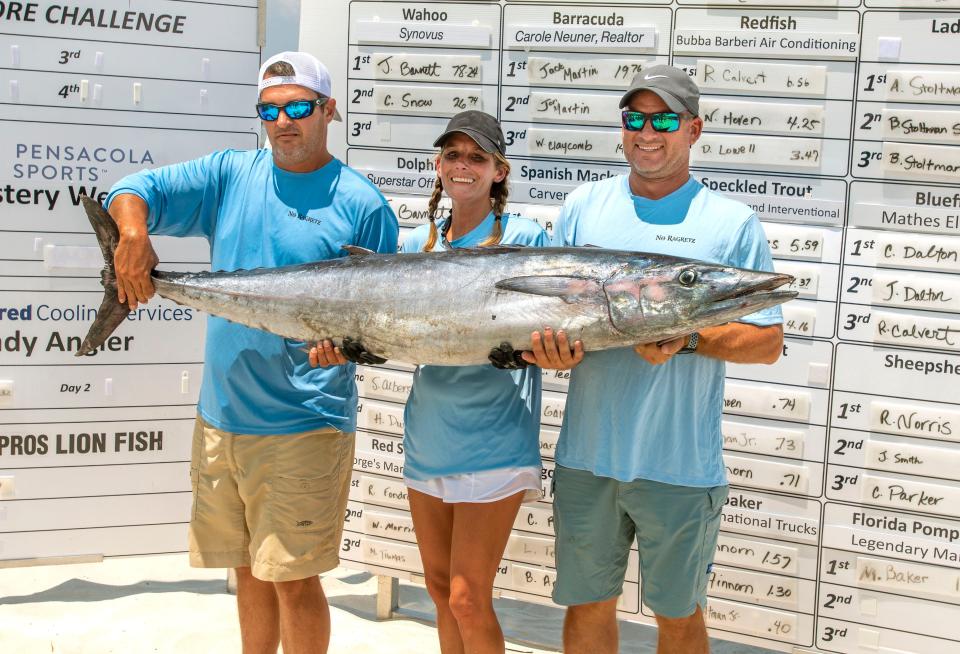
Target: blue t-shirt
{"points": [[257, 215], [628, 419], [461, 419]]}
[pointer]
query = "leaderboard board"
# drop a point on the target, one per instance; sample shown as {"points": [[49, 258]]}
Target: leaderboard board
{"points": [[838, 121], [94, 450]]}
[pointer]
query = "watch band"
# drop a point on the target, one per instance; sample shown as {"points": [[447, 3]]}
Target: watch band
{"points": [[693, 341]]}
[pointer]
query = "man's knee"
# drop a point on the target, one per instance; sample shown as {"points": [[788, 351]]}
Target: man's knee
{"points": [[298, 589], [681, 627], [594, 612]]}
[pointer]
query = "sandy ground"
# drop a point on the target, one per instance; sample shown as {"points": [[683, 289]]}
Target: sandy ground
{"points": [[145, 604]]}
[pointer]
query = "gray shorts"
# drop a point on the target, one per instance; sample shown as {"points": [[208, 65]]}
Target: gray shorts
{"points": [[596, 520]]}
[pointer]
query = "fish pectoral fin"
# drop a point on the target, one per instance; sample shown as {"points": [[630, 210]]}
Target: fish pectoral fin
{"points": [[356, 250], [569, 289]]}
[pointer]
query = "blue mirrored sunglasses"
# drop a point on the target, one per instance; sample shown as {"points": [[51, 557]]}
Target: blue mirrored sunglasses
{"points": [[295, 110], [664, 121]]}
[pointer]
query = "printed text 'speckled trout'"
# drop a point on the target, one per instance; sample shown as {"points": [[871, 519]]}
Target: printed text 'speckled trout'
{"points": [[454, 307]]}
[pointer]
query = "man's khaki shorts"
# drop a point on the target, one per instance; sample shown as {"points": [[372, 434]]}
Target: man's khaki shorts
{"points": [[273, 503]]}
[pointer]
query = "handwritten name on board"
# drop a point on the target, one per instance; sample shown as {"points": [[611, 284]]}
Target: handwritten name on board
{"points": [[530, 549], [733, 149], [906, 494], [912, 459], [921, 162], [759, 77], [921, 125], [918, 251], [746, 116], [590, 72], [576, 144], [900, 577], [430, 100], [915, 420], [916, 330], [923, 86], [426, 68], [920, 291], [575, 108], [384, 491]]}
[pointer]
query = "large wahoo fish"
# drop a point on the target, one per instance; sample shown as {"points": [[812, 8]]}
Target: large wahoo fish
{"points": [[455, 307]]}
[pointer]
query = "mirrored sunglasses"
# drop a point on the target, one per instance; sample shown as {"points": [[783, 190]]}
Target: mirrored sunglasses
{"points": [[295, 110], [664, 121]]}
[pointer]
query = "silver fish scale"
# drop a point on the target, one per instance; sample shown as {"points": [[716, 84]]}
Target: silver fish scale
{"points": [[440, 308]]}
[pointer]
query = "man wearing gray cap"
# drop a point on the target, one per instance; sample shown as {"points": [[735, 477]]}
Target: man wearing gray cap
{"points": [[274, 435], [640, 451]]}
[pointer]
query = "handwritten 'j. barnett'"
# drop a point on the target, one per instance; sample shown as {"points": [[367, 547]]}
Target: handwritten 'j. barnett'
{"points": [[455, 307]]}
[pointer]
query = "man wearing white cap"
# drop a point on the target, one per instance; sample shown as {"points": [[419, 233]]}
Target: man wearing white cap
{"points": [[274, 436]]}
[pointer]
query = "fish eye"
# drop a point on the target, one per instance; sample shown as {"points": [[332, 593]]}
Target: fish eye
{"points": [[687, 277]]}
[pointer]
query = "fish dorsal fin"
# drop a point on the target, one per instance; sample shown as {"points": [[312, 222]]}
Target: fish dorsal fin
{"points": [[569, 289], [590, 245], [356, 250]]}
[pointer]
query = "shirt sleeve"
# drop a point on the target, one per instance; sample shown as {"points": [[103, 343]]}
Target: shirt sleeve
{"points": [[559, 238], [378, 230], [542, 239], [751, 250], [183, 198]]}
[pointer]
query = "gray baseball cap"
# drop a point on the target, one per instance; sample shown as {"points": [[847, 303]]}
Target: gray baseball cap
{"points": [[482, 128], [671, 84]]}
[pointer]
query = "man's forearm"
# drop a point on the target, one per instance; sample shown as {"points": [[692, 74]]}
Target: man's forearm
{"points": [[739, 342], [130, 212]]}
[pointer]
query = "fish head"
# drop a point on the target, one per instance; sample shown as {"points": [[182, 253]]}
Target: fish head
{"points": [[655, 302]]}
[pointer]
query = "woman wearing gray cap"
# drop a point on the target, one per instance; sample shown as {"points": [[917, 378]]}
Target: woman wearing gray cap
{"points": [[471, 433]]}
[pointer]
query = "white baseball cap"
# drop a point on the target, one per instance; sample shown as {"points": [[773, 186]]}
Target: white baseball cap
{"points": [[307, 72]]}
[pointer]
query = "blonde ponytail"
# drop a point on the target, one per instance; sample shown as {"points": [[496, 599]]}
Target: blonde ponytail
{"points": [[431, 214], [498, 199]]}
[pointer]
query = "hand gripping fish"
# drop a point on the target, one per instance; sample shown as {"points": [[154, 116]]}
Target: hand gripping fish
{"points": [[460, 306]]}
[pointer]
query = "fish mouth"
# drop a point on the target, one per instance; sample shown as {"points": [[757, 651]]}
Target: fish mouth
{"points": [[754, 292]]}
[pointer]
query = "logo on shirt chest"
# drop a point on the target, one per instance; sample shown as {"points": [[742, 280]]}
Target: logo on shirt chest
{"points": [[293, 213], [670, 238]]}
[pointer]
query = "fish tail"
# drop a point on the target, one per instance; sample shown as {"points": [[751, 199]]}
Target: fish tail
{"points": [[111, 312]]}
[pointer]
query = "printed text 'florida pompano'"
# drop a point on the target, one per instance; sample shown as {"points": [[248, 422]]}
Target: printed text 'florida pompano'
{"points": [[454, 307]]}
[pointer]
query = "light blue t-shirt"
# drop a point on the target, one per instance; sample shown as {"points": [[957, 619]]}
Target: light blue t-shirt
{"points": [[257, 215], [461, 419], [625, 418]]}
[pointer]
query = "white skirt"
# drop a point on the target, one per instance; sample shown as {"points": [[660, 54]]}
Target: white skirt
{"points": [[480, 487]]}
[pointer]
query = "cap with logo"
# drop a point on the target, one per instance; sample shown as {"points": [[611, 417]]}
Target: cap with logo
{"points": [[671, 84], [307, 72], [482, 128]]}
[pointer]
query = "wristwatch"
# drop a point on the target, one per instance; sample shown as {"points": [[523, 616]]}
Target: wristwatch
{"points": [[693, 340]]}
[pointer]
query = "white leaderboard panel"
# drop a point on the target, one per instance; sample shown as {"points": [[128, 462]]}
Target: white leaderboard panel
{"points": [[838, 121], [94, 451]]}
